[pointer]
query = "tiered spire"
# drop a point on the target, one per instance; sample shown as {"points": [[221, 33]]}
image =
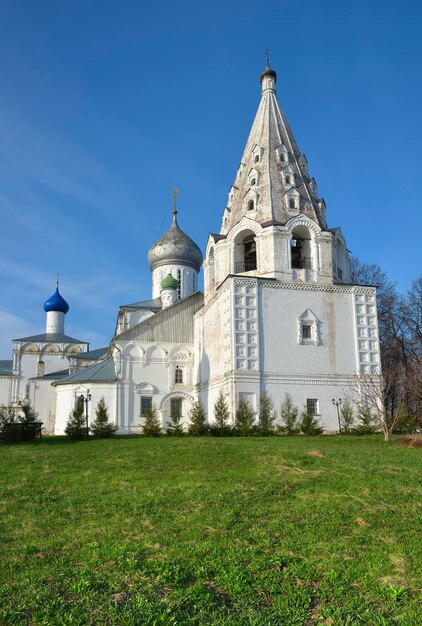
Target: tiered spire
{"points": [[272, 183]]}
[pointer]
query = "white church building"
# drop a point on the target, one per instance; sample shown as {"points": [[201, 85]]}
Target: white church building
{"points": [[278, 313]]}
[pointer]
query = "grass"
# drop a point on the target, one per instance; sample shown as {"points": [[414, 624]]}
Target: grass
{"points": [[295, 531]]}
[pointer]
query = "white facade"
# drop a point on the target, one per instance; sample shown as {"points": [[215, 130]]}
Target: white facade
{"points": [[278, 313]]}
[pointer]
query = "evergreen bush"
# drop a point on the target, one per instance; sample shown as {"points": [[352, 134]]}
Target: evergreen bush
{"points": [[76, 424], [266, 416], [221, 427], [101, 427], [309, 424], [174, 427], [289, 416], [347, 417], [366, 424], [151, 427], [197, 416], [244, 419]]}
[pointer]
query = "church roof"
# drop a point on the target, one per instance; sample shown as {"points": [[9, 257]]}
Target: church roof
{"points": [[150, 305], [272, 170], [91, 355], [6, 367], [52, 375], [98, 373], [173, 324], [51, 338], [175, 246]]}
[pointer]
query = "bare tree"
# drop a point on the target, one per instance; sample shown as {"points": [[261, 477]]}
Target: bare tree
{"points": [[371, 391]]}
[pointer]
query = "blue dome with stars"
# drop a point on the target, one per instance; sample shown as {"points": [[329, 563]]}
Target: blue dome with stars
{"points": [[56, 303]]}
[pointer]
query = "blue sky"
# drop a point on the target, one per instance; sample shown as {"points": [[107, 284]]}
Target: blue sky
{"points": [[106, 106]]}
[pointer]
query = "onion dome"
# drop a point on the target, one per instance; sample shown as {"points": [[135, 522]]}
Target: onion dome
{"points": [[56, 303], [169, 282], [268, 71], [175, 247]]}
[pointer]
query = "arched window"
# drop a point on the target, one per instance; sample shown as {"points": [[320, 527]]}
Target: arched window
{"points": [[250, 253], [292, 203], [251, 205], [287, 180], [253, 182], [256, 158], [301, 248], [178, 375], [282, 157], [27, 390], [40, 368]]}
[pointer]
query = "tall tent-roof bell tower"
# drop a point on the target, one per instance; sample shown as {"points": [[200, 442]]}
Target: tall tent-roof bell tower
{"points": [[274, 224]]}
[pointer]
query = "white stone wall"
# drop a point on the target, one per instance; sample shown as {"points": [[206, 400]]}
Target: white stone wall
{"points": [[267, 351], [66, 400]]}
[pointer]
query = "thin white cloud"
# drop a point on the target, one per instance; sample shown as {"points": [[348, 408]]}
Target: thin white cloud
{"points": [[12, 327]]}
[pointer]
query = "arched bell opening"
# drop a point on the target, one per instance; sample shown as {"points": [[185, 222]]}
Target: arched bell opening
{"points": [[301, 251], [245, 252]]}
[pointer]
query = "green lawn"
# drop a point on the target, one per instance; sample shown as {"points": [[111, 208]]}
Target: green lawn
{"points": [[323, 530]]}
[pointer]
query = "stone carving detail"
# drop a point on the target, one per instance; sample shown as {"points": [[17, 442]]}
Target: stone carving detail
{"points": [[246, 325], [367, 333]]}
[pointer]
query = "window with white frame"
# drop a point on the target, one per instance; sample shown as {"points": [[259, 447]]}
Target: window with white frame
{"points": [[312, 406], [178, 375], [146, 405], [308, 328]]}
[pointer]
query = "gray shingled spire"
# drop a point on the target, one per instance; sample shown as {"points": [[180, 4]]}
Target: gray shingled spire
{"points": [[272, 171]]}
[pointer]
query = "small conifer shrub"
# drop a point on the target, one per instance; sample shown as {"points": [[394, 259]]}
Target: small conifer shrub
{"points": [[366, 421], [266, 416], [76, 424], [220, 426], [289, 416], [29, 415], [174, 427], [347, 417], [197, 416], [151, 427], [244, 419], [309, 424], [101, 427]]}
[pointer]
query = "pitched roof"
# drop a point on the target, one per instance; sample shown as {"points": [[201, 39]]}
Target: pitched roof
{"points": [[52, 375], [6, 368], [91, 355], [151, 305], [270, 154], [98, 373], [51, 338], [175, 323]]}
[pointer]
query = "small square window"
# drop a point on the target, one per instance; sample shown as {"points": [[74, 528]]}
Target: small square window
{"points": [[312, 406], [306, 331], [146, 405]]}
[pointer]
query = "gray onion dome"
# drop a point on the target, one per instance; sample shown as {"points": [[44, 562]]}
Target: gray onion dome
{"points": [[175, 247]]}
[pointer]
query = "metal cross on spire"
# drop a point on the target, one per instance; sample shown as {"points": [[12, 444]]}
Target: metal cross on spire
{"points": [[267, 57], [175, 194], [57, 280]]}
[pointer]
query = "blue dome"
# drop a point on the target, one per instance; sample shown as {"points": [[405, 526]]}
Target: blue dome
{"points": [[56, 303]]}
